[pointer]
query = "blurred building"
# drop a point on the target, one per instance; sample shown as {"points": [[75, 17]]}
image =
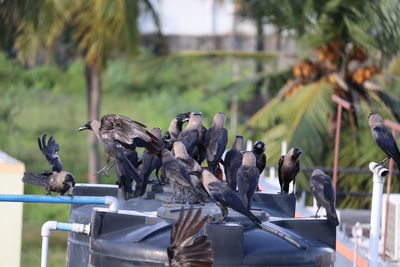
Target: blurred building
{"points": [[212, 25], [11, 172]]}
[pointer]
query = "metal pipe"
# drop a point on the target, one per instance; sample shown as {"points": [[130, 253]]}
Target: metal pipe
{"points": [[48, 226], [341, 104], [395, 126], [108, 200], [376, 211], [337, 142]]}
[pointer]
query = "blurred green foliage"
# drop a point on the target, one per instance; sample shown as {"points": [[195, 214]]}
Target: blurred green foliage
{"points": [[48, 99]]}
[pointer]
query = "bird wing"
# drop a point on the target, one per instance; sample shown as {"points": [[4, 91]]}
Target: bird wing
{"points": [[280, 163], [386, 142], [40, 179], [189, 138], [185, 250], [50, 150], [127, 132], [228, 158], [328, 190], [263, 162], [216, 144]]}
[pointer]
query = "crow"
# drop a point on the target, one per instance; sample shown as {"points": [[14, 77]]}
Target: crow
{"points": [[190, 136], [150, 162], [191, 165], [174, 129], [179, 177], [226, 198], [57, 180], [288, 167], [215, 142], [261, 158], [322, 190], [185, 249], [383, 138], [247, 178], [233, 160], [118, 133]]}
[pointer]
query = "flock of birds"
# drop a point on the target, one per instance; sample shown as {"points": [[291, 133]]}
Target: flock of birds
{"points": [[179, 154]]}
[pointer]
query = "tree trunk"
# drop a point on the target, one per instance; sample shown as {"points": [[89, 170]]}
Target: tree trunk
{"points": [[260, 45], [93, 83]]}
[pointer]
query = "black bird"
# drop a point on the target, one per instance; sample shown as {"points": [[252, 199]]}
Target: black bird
{"points": [[179, 177], [247, 178], [56, 180], [226, 198], [288, 167], [190, 136], [215, 142], [117, 133], [192, 166], [322, 190], [383, 138], [261, 158], [174, 129], [233, 160], [201, 145], [185, 249], [150, 162]]}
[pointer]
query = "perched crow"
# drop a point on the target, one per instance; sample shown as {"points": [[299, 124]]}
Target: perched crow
{"points": [[178, 176], [150, 162], [118, 133], [215, 142], [190, 136], [233, 160], [259, 152], [174, 129], [247, 178], [191, 165], [384, 138], [226, 198], [56, 180], [185, 249], [288, 167], [322, 190]]}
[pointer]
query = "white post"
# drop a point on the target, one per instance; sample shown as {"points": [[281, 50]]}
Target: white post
{"points": [[284, 148], [272, 172], [45, 249], [376, 211], [249, 145], [357, 234]]}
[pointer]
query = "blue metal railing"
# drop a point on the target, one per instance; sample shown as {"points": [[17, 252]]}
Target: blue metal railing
{"points": [[52, 199]]}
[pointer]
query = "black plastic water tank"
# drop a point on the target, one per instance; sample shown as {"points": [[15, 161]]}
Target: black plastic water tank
{"points": [[121, 239]]}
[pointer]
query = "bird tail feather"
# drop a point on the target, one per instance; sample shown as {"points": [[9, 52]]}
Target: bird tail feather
{"points": [[35, 179], [332, 217]]}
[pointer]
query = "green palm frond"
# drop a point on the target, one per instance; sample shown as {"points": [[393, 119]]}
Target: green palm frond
{"points": [[301, 120]]}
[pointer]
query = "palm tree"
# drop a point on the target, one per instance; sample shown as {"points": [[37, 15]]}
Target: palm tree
{"points": [[352, 41], [99, 27]]}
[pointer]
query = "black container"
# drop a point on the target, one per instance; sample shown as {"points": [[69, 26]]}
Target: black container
{"points": [[120, 239]]}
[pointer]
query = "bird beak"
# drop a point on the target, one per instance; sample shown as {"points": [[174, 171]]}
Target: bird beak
{"points": [[183, 116], [84, 127]]}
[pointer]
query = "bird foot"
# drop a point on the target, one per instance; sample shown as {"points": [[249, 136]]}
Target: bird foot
{"points": [[104, 172], [49, 194], [219, 221]]}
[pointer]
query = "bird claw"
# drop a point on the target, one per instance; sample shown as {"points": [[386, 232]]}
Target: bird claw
{"points": [[104, 172]]}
